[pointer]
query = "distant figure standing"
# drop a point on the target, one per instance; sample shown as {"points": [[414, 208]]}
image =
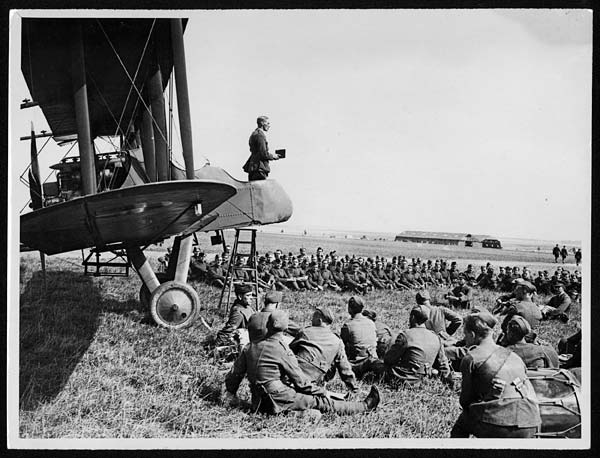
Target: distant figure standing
{"points": [[257, 165], [556, 252], [564, 253], [578, 256]]}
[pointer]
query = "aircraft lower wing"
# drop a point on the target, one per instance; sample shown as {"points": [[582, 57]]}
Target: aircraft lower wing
{"points": [[134, 216]]}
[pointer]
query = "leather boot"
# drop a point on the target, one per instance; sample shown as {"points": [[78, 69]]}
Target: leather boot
{"points": [[373, 398]]}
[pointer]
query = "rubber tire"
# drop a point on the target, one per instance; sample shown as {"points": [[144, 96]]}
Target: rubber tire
{"points": [[182, 291]]}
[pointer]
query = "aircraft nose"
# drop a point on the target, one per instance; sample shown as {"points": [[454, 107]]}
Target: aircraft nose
{"points": [[271, 204]]}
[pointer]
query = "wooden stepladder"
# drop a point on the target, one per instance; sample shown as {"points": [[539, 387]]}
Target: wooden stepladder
{"points": [[250, 267]]}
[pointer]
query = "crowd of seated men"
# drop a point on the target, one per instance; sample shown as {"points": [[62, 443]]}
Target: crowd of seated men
{"points": [[358, 274]]}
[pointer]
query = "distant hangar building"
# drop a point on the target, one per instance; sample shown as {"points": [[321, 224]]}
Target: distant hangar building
{"points": [[449, 238]]}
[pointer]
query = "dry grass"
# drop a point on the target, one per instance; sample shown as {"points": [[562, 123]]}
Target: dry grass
{"points": [[92, 365]]}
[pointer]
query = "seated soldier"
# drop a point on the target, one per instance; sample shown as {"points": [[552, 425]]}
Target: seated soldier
{"points": [[558, 306], [239, 315], [257, 324], [297, 278], [496, 397], [320, 352], [379, 278], [269, 362], [314, 278], [383, 332], [216, 273], [280, 276], [442, 321], [360, 338], [355, 281], [198, 266], [523, 306], [328, 278], [238, 273], [416, 352], [534, 356], [461, 295]]}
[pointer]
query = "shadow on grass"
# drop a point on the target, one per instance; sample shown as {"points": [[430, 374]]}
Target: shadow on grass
{"points": [[58, 321]]}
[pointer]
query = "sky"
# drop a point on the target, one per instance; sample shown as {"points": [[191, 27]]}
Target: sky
{"points": [[473, 121]]}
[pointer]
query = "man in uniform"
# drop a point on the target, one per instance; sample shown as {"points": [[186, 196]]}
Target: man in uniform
{"points": [[442, 321], [257, 165], [355, 281], [534, 356], [497, 398], [564, 253], [383, 332], [523, 306], [327, 276], [556, 253], [239, 315], [320, 352], [461, 295], [360, 338], [268, 362], [416, 352], [257, 324], [558, 305]]}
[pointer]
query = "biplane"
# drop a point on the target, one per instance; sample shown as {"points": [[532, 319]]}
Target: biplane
{"points": [[94, 78]]}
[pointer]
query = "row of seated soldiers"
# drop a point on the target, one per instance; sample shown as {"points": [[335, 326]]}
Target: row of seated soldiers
{"points": [[360, 275], [313, 354]]}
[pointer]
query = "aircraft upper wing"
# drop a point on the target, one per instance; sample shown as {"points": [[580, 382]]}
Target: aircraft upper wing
{"points": [[46, 65], [136, 215]]}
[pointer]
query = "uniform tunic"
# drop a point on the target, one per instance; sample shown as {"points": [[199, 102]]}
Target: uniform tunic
{"points": [[267, 364], [536, 356], [438, 316], [239, 315], [497, 398], [414, 354], [360, 338], [320, 352]]}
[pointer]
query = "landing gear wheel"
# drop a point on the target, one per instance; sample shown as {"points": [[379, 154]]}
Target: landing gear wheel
{"points": [[145, 293], [174, 305]]}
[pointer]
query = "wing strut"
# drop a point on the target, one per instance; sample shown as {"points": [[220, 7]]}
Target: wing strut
{"points": [[183, 101], [82, 114]]}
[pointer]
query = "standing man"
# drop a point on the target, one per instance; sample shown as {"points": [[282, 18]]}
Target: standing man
{"points": [[564, 253], [556, 253], [578, 256], [257, 165], [496, 397]]}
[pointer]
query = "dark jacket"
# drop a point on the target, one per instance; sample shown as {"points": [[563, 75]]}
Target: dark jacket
{"points": [[320, 352], [259, 153], [414, 354], [495, 388]]}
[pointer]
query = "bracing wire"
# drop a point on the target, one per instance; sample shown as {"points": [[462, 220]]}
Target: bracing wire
{"points": [[162, 134], [48, 176]]}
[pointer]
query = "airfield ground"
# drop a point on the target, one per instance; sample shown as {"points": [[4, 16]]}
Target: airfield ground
{"points": [[92, 365]]}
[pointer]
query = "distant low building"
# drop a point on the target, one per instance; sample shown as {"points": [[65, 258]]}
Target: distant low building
{"points": [[448, 238]]}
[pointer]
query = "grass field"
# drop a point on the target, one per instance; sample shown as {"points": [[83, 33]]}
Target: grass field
{"points": [[92, 365]]}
